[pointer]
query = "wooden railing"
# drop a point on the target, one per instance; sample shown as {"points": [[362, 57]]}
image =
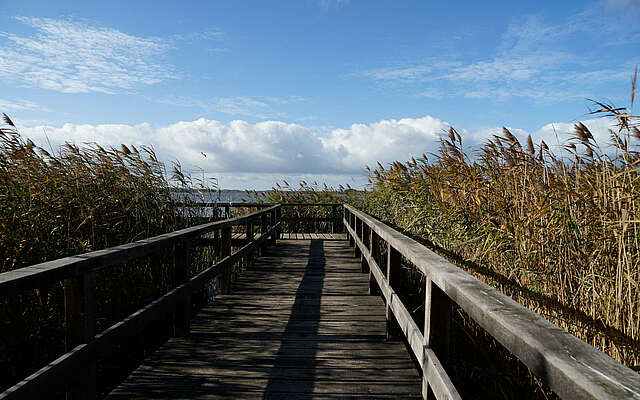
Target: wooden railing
{"points": [[75, 371], [330, 221], [570, 367]]}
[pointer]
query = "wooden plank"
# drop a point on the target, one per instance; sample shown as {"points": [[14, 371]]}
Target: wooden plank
{"points": [[295, 344], [571, 367], [436, 379], [79, 304], [41, 275], [394, 263]]}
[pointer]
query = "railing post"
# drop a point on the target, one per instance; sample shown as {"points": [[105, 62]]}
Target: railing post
{"points": [[217, 245], [79, 305], [356, 249], [249, 255], [278, 219], [225, 251], [227, 212], [374, 289], [272, 222], [334, 217], [347, 217], [182, 265], [263, 230], [394, 260], [437, 325], [364, 264]]}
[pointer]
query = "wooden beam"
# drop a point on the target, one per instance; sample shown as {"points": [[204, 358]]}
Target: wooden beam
{"points": [[394, 263], [435, 380], [570, 367], [225, 251], [80, 324], [41, 275], [182, 270]]}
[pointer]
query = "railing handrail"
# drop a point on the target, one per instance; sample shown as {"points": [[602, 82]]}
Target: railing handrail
{"points": [[569, 366], [31, 277], [253, 204], [78, 363]]}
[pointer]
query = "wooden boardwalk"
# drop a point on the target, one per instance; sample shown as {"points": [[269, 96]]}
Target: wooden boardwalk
{"points": [[298, 324]]}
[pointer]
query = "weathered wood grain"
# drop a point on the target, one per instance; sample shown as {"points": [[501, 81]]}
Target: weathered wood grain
{"points": [[43, 274], [571, 367], [289, 329]]}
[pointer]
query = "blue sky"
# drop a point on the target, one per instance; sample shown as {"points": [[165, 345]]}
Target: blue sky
{"points": [[308, 88]]}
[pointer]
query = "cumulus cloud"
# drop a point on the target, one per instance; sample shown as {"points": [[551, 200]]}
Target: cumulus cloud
{"points": [[555, 134], [263, 147], [74, 57], [273, 150], [383, 141]]}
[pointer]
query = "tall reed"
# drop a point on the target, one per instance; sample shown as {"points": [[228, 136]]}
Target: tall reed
{"points": [[70, 201], [559, 234]]}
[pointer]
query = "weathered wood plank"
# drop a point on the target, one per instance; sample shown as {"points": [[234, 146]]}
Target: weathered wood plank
{"points": [[571, 367], [299, 343], [43, 274]]}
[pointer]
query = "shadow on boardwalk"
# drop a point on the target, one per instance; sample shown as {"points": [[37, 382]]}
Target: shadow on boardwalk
{"points": [[310, 288], [299, 324]]}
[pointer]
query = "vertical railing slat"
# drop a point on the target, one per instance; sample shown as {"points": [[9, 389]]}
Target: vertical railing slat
{"points": [[79, 304], [182, 271], [394, 260], [437, 325]]}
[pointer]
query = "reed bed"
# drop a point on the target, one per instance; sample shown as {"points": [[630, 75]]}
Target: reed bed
{"points": [[55, 203], [307, 193], [558, 233]]}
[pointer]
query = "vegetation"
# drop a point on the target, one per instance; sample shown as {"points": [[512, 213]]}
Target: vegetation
{"points": [[79, 199], [557, 232], [306, 192]]}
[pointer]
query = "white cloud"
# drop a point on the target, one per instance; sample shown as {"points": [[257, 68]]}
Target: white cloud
{"points": [[384, 141], [74, 57], [555, 135], [263, 107], [263, 147], [536, 58], [260, 154], [247, 106], [326, 4], [20, 105]]}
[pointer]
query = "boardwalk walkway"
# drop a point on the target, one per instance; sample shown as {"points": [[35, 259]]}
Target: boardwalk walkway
{"points": [[298, 324]]}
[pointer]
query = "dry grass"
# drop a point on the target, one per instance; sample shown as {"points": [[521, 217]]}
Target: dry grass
{"points": [[558, 233], [77, 199]]}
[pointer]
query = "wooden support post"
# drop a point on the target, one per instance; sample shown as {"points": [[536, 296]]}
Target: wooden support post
{"points": [[225, 251], [227, 212], [356, 251], [217, 245], [348, 216], [250, 236], [334, 218], [374, 289], [363, 236], [394, 261], [272, 221], [263, 230], [182, 265], [278, 218], [437, 325], [79, 305]]}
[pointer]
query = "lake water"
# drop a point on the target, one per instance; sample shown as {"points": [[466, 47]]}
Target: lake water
{"points": [[234, 196]]}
